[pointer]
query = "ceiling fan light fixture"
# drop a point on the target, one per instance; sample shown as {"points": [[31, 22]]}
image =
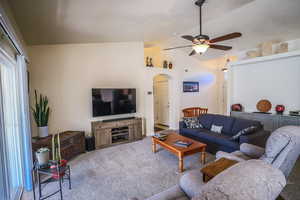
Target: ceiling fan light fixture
{"points": [[201, 48]]}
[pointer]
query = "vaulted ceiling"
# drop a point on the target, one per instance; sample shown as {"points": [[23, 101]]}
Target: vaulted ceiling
{"points": [[85, 21], [88, 21]]}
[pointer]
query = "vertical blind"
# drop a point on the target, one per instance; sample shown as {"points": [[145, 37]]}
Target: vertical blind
{"points": [[15, 134], [12, 125]]}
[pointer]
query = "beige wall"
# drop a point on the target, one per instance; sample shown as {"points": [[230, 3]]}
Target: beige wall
{"points": [[154, 53], [66, 74]]}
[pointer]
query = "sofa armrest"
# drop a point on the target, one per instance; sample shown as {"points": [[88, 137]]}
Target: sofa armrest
{"points": [[252, 151], [258, 138], [182, 125], [230, 156], [191, 183]]}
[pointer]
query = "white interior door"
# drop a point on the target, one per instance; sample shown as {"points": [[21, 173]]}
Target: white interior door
{"points": [[161, 99]]}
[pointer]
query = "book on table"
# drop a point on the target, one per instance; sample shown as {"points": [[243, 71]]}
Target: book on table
{"points": [[160, 136], [181, 143]]}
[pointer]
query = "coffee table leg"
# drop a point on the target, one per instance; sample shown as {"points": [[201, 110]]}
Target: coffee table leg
{"points": [[153, 146], [180, 157], [203, 155]]}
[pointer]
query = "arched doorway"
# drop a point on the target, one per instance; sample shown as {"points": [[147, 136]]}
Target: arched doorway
{"points": [[161, 102]]}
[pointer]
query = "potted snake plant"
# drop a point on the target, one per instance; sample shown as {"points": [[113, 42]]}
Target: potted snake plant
{"points": [[41, 113]]}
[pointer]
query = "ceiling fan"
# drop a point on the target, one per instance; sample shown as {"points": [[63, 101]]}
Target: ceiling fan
{"points": [[201, 43]]}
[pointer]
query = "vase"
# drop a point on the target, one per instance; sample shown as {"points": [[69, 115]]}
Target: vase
{"points": [[237, 107], [42, 157], [165, 64], [43, 131], [170, 65], [280, 109]]}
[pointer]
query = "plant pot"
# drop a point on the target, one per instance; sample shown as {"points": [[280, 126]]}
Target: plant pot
{"points": [[43, 131], [42, 158]]}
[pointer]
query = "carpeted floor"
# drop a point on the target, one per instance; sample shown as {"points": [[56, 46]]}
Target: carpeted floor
{"points": [[123, 171], [132, 170]]}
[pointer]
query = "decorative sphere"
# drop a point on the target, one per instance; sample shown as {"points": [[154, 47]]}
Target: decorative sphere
{"points": [[280, 109]]}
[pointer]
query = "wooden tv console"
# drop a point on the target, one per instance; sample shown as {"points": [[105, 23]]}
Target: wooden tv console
{"points": [[117, 132]]}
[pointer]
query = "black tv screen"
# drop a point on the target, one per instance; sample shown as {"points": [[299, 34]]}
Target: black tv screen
{"points": [[113, 101]]}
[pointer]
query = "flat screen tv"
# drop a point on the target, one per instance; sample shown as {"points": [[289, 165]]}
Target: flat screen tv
{"points": [[113, 101]]}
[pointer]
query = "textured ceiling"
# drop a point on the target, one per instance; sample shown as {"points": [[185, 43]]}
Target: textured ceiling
{"points": [[85, 21]]}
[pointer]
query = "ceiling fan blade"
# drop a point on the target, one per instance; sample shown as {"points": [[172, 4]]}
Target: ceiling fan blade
{"points": [[192, 53], [226, 37], [178, 47], [188, 37], [220, 47]]}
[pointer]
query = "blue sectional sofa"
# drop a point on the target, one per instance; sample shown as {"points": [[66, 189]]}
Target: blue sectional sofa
{"points": [[231, 126]]}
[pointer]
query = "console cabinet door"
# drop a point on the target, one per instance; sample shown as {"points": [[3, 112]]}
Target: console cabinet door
{"points": [[103, 137], [138, 132], [289, 120], [270, 122]]}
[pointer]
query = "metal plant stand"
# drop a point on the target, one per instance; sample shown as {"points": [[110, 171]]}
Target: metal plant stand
{"points": [[57, 174]]}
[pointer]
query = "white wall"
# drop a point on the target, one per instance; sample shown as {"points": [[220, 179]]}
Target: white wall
{"points": [[275, 79], [67, 73], [207, 76], [185, 68]]}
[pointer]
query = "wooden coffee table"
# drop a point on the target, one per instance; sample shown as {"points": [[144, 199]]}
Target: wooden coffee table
{"points": [[213, 169], [180, 152]]}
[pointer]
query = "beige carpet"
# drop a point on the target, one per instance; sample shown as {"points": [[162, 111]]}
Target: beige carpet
{"points": [[121, 172], [132, 170]]}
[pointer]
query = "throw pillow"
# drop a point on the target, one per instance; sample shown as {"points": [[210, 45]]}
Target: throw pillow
{"points": [[244, 131], [216, 129], [192, 122]]}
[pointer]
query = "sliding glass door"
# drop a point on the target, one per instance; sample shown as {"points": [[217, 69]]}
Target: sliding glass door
{"points": [[3, 187], [11, 137]]}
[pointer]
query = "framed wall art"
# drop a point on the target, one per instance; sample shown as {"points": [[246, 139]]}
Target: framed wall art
{"points": [[190, 86]]}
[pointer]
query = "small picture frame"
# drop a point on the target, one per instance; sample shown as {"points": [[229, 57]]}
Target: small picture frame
{"points": [[190, 86]]}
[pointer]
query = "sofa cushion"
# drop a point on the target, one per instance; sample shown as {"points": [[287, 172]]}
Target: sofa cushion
{"points": [[240, 124], [225, 121], [249, 180], [191, 131], [206, 120], [206, 135]]}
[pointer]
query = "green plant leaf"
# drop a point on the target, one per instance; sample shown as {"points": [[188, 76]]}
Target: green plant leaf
{"points": [[41, 110]]}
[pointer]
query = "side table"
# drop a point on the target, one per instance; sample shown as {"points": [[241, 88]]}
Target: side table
{"points": [[57, 174], [213, 169]]}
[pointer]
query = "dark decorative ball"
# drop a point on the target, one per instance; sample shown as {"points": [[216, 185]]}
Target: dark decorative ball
{"points": [[237, 107], [280, 109]]}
